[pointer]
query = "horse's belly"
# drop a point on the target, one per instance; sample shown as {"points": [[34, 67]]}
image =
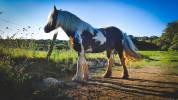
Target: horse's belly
{"points": [[96, 48]]}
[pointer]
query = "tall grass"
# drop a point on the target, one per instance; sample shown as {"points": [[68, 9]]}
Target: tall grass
{"points": [[164, 59]]}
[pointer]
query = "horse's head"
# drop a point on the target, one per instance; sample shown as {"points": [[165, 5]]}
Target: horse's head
{"points": [[52, 21]]}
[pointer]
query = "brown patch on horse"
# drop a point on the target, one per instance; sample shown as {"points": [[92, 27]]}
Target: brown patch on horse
{"points": [[71, 41], [85, 71]]}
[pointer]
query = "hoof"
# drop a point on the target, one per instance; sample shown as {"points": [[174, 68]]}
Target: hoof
{"points": [[76, 79], [125, 77], [107, 75], [85, 77]]}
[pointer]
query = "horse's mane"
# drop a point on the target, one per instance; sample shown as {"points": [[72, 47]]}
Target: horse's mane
{"points": [[69, 21]]}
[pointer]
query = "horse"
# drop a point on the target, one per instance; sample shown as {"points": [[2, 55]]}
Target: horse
{"points": [[84, 38]]}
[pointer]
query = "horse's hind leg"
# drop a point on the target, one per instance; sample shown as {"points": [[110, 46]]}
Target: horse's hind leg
{"points": [[108, 72], [123, 62]]}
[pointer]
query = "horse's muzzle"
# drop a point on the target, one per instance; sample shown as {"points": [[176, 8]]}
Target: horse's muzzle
{"points": [[46, 29]]}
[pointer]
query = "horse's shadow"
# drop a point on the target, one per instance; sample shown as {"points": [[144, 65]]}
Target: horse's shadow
{"points": [[139, 89], [144, 80]]}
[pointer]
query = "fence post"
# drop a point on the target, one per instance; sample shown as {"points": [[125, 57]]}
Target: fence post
{"points": [[51, 46]]}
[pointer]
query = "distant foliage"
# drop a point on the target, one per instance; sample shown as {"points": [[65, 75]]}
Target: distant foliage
{"points": [[41, 45], [169, 39], [145, 43], [142, 43]]}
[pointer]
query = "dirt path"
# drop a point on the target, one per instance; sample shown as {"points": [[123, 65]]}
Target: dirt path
{"points": [[146, 83]]}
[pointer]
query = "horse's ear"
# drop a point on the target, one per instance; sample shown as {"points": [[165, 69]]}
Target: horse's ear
{"points": [[55, 9]]}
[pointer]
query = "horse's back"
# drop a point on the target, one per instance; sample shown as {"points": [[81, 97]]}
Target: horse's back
{"points": [[114, 36], [113, 32]]}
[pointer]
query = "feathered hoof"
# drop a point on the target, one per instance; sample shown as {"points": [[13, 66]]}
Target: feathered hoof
{"points": [[107, 75], [79, 79], [76, 78]]}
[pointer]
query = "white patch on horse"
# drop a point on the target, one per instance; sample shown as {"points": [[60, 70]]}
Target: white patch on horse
{"points": [[49, 20], [89, 49], [80, 39], [85, 26], [100, 37]]}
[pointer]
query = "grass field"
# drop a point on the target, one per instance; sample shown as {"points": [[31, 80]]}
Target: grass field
{"points": [[165, 59]]}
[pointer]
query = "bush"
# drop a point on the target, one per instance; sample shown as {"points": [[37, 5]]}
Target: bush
{"points": [[164, 48], [174, 47], [14, 85]]}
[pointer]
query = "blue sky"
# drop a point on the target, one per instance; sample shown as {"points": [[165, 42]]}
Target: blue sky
{"points": [[135, 17]]}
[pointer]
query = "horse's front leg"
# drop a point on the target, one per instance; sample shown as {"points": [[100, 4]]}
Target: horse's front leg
{"points": [[82, 69]]}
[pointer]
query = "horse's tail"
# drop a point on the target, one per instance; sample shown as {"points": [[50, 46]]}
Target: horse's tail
{"points": [[129, 49]]}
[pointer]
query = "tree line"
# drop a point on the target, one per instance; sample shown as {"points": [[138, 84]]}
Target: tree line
{"points": [[167, 41]]}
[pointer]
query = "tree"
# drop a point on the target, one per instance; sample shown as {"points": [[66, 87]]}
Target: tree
{"points": [[169, 39]]}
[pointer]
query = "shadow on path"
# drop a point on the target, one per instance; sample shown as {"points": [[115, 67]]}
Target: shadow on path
{"points": [[140, 89]]}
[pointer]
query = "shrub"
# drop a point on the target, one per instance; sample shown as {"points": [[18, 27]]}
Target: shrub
{"points": [[14, 85]]}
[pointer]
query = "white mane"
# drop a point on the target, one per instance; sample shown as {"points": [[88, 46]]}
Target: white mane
{"points": [[71, 22]]}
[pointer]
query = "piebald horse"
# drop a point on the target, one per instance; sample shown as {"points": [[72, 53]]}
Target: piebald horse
{"points": [[84, 38]]}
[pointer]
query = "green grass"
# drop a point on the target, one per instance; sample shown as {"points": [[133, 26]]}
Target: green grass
{"points": [[160, 58], [56, 56], [164, 59], [167, 60]]}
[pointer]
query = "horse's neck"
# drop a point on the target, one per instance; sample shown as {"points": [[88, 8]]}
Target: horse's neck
{"points": [[68, 21], [71, 24]]}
